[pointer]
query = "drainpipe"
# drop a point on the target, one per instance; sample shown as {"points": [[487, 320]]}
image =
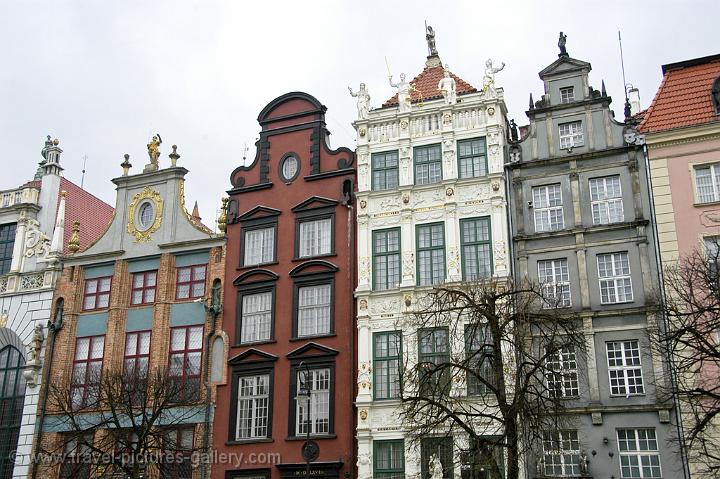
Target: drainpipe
{"points": [[351, 312], [213, 310]]}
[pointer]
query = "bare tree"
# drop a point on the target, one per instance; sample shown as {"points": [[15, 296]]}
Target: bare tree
{"points": [[488, 366], [690, 339], [129, 424]]}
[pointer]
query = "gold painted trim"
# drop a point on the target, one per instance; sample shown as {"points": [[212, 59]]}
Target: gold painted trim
{"points": [[181, 200], [156, 199]]}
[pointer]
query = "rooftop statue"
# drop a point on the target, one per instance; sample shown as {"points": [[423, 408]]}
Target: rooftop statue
{"points": [[430, 37], [403, 92], [561, 45], [448, 87], [363, 101], [154, 149]]}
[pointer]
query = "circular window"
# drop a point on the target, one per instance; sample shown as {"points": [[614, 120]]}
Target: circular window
{"points": [[146, 215], [290, 167]]}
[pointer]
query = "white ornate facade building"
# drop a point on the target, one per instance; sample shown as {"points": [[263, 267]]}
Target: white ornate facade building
{"points": [[34, 219], [431, 209]]}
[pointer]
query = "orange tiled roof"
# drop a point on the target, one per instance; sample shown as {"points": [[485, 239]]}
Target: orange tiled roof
{"points": [[684, 96], [424, 87], [93, 214]]}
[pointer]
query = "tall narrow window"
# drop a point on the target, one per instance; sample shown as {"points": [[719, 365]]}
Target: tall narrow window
{"points": [[562, 453], [386, 361], [479, 355], [185, 355], [547, 207], [178, 447], [555, 282], [389, 460], [571, 135], [615, 279], [431, 254], [639, 454], [625, 368], [315, 238], [190, 282], [87, 371], [256, 317], [567, 95], [433, 354], [253, 407], [314, 310], [137, 355], [606, 200], [12, 398], [259, 244], [561, 373], [440, 447], [143, 287], [428, 164], [476, 249], [707, 182], [7, 242], [76, 458], [386, 259], [96, 294], [318, 420], [384, 170], [472, 158]]}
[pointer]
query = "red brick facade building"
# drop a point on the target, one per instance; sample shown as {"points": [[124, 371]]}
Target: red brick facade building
{"points": [[288, 302]]}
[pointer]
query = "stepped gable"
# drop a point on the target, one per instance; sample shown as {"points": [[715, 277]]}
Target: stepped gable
{"points": [[424, 87]]}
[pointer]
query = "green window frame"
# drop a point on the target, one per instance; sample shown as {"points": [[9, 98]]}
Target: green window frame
{"points": [[389, 459], [427, 164], [472, 158], [386, 265], [387, 354], [476, 248], [430, 248], [385, 170], [7, 244], [433, 351], [478, 357]]}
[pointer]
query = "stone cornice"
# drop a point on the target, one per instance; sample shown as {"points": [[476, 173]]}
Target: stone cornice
{"points": [[683, 136]]}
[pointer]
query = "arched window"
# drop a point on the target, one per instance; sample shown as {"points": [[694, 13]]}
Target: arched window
{"points": [[716, 95], [12, 397]]}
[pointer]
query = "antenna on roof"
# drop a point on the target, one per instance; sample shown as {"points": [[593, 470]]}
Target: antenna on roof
{"points": [[82, 178], [622, 67]]}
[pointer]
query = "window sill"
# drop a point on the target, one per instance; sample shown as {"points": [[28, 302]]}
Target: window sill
{"points": [[141, 305], [626, 396], [385, 401], [312, 436], [243, 267], [709, 203], [98, 310], [308, 258], [239, 442], [253, 343], [618, 302], [320, 336]]}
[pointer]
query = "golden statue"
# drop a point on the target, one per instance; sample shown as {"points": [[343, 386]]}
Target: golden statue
{"points": [[154, 149]]}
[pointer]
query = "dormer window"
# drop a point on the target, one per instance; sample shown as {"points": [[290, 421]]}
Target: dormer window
{"points": [[571, 135], [567, 95], [716, 95]]}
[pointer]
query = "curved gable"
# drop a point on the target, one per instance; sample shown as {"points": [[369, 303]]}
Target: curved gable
{"points": [[290, 104]]}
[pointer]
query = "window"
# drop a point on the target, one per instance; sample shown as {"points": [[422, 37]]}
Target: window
{"points": [[561, 450], [428, 164], [76, 463], [442, 448], [315, 237], [712, 253], [314, 310], [12, 398], [146, 216], [318, 381], [256, 317], [431, 254], [624, 368], [615, 280], [479, 355], [606, 200], [137, 354], [555, 282], [7, 242], [472, 158], [97, 293], [389, 460], [259, 244], [87, 371], [385, 170], [547, 204], [567, 95], [253, 409], [185, 356], [434, 352], [562, 373], [290, 168], [387, 353], [178, 446], [639, 455], [143, 287], [707, 182], [386, 259], [476, 249], [571, 135], [190, 282]]}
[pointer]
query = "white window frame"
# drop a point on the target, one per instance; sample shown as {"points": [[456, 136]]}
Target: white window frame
{"points": [[637, 451], [562, 373], [321, 380], [567, 94], [256, 402], [612, 286], [255, 323], [625, 368], [714, 183], [606, 209], [561, 449], [313, 238], [318, 314], [262, 252], [555, 285], [571, 134], [543, 209]]}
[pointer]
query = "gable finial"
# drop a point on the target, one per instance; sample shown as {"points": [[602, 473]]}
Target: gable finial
{"points": [[561, 45], [532, 103]]}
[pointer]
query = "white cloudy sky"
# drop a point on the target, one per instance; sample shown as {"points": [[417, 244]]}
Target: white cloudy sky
{"points": [[103, 76]]}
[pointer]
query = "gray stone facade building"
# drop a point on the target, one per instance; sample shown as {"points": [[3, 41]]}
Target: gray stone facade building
{"points": [[581, 224]]}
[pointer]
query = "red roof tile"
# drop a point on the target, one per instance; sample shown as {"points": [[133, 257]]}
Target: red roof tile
{"points": [[684, 96], [93, 214], [424, 87]]}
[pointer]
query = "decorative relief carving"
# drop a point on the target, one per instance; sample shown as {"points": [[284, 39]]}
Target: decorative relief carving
{"points": [[363, 204], [430, 214], [408, 265], [500, 253], [405, 198], [364, 269], [363, 304], [710, 218], [453, 257], [403, 124], [156, 199], [449, 192], [36, 242], [473, 193], [31, 281], [431, 197], [364, 376], [363, 414], [385, 305]]}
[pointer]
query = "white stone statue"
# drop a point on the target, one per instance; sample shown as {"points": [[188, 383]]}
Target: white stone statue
{"points": [[403, 92], [363, 101], [448, 87], [489, 79], [436, 469]]}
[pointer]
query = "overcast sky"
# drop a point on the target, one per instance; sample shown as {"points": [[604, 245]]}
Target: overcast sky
{"points": [[104, 76]]}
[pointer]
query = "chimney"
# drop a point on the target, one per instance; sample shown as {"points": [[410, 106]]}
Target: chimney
{"points": [[634, 97]]}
